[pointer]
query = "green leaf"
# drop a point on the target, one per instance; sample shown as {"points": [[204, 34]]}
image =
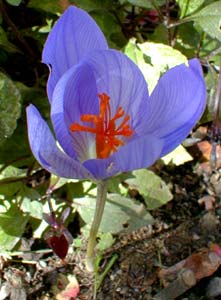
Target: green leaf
{"points": [[92, 5], [5, 44], [114, 183], [10, 107], [106, 240], [53, 7], [16, 147], [144, 3], [161, 56], [188, 39], [178, 156], [187, 7], [12, 226], [153, 59], [209, 19], [9, 189], [33, 208], [74, 189], [150, 73], [14, 2], [11, 171], [120, 214], [151, 187], [111, 28]]}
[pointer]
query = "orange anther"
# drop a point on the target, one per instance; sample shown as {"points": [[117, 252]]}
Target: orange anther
{"points": [[105, 128]]}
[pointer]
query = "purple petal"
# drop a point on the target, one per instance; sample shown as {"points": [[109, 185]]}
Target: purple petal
{"points": [[47, 153], [176, 104], [140, 153], [73, 35], [117, 76], [74, 95]]}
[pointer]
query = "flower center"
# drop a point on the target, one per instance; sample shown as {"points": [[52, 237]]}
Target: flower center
{"points": [[104, 127]]}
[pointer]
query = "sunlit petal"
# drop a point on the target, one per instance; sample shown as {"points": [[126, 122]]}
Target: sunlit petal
{"points": [[74, 34], [177, 103], [47, 153], [141, 153]]}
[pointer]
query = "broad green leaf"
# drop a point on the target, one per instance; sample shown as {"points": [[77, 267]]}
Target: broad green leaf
{"points": [[33, 208], [106, 240], [93, 5], [36, 96], [11, 171], [53, 7], [5, 44], [153, 59], [188, 39], [74, 189], [151, 187], [12, 226], [150, 73], [160, 34], [14, 2], [47, 28], [209, 19], [114, 183], [120, 214], [30, 202], [10, 107], [10, 187], [161, 56], [187, 7], [179, 156], [16, 148], [144, 3], [111, 28]]}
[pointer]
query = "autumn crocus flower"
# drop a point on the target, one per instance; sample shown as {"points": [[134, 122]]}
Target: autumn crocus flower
{"points": [[104, 120]]}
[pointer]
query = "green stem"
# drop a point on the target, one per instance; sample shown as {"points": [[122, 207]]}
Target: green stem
{"points": [[100, 278], [99, 209]]}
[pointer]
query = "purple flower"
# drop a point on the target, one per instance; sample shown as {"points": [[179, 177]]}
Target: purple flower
{"points": [[104, 120]]}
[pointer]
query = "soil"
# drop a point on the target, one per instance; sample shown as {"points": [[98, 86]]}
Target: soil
{"points": [[183, 227]]}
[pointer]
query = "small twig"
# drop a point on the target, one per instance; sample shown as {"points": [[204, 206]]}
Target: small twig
{"points": [[213, 53], [216, 126], [200, 44], [217, 98], [12, 180], [17, 253], [169, 37], [15, 30], [185, 280]]}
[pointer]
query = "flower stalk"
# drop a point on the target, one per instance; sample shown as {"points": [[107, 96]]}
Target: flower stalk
{"points": [[99, 209]]}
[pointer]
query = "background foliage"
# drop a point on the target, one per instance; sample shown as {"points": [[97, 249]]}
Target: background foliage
{"points": [[156, 35]]}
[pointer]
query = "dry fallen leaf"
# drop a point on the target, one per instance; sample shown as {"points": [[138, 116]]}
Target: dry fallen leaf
{"points": [[202, 263], [206, 150], [66, 287], [208, 201], [180, 277]]}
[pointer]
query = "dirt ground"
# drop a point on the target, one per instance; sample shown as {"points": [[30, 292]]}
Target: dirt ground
{"points": [[188, 225]]}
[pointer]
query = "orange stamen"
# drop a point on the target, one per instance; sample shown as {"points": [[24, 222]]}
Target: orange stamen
{"points": [[105, 128]]}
